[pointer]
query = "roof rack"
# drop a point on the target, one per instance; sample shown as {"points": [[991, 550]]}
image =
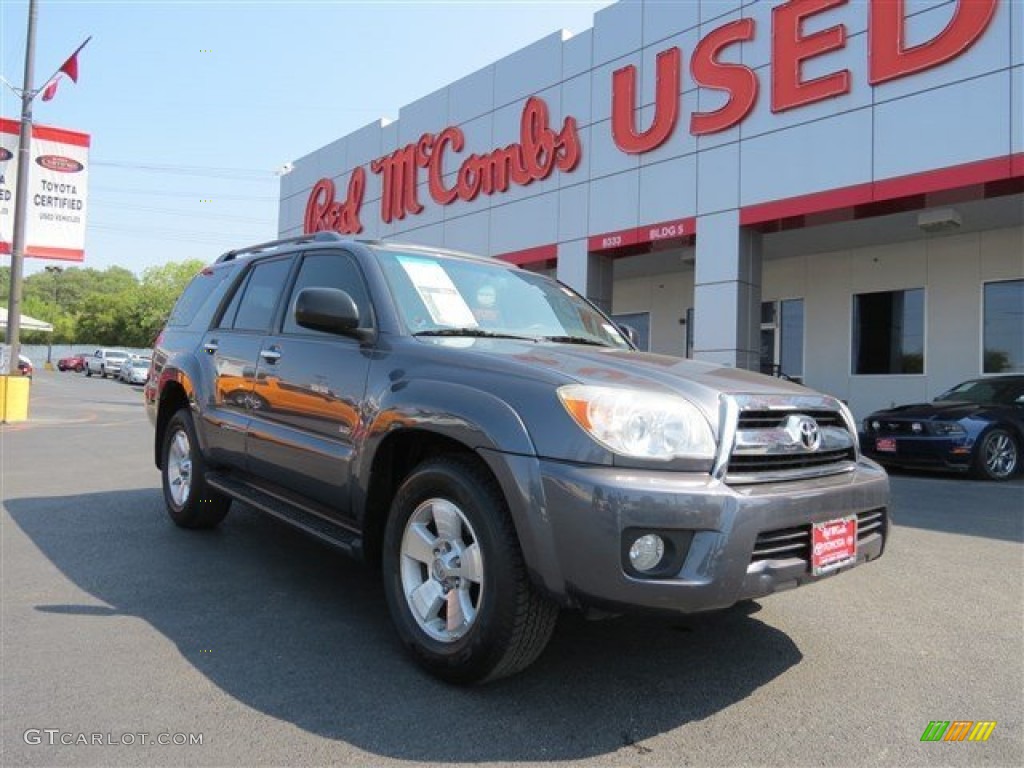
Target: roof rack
{"points": [[316, 237]]}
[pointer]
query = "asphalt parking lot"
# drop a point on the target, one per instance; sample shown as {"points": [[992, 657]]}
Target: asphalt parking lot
{"points": [[278, 651]]}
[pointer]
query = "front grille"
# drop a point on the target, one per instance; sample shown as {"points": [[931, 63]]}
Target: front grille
{"points": [[783, 544], [787, 543], [870, 522], [774, 419], [896, 428], [781, 463], [766, 450]]}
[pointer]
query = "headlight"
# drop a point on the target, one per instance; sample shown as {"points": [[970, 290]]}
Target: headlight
{"points": [[947, 428], [642, 425]]}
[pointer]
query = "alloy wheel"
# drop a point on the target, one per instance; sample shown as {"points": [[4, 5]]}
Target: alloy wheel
{"points": [[179, 467], [1000, 455], [441, 570]]}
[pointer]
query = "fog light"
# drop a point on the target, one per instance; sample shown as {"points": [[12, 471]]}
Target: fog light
{"points": [[646, 552]]}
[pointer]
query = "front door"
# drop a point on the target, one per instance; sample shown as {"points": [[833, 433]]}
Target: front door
{"points": [[307, 392]]}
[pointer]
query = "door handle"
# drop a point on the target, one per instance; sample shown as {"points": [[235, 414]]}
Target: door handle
{"points": [[211, 346], [270, 355]]}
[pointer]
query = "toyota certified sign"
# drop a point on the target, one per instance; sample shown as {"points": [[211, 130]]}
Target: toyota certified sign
{"points": [[57, 191]]}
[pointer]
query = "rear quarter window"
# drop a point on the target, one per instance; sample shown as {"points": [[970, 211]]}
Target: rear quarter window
{"points": [[196, 296]]}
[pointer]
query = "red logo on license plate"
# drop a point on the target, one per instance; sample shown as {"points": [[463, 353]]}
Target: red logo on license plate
{"points": [[833, 544]]}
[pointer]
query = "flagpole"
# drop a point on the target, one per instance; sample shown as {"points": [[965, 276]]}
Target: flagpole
{"points": [[21, 195]]}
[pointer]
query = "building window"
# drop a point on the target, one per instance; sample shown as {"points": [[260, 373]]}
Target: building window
{"points": [[782, 338], [1004, 327], [791, 338], [639, 322], [888, 332]]}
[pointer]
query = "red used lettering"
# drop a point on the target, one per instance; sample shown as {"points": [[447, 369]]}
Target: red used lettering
{"points": [[890, 59], [790, 48], [666, 105], [739, 81], [324, 213]]}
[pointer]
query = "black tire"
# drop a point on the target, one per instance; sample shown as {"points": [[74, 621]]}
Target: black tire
{"points": [[513, 622], [996, 455], [88, 371], [199, 506], [103, 371]]}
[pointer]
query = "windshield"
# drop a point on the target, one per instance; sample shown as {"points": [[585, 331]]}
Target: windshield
{"points": [[444, 296], [987, 392]]}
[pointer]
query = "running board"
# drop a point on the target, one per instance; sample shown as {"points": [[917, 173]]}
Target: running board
{"points": [[295, 515]]}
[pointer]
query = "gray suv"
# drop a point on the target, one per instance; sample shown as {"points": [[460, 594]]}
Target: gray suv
{"points": [[495, 445]]}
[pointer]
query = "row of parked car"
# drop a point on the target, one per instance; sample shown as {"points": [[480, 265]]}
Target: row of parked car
{"points": [[115, 363]]}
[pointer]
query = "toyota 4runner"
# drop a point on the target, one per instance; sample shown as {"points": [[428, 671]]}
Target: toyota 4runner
{"points": [[496, 445]]}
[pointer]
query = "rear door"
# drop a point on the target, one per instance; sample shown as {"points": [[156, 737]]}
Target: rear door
{"points": [[309, 386], [230, 351]]}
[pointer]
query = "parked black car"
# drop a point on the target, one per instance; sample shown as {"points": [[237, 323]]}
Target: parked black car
{"points": [[491, 441], [977, 426]]}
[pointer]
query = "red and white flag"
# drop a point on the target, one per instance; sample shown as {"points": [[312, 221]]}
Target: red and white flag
{"points": [[69, 68], [50, 90]]}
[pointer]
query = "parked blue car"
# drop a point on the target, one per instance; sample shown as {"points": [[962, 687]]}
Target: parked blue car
{"points": [[977, 426]]}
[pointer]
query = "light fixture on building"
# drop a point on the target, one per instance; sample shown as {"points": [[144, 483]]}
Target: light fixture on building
{"points": [[939, 220]]}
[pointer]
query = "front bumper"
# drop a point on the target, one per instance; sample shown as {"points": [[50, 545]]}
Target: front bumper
{"points": [[591, 513], [926, 451]]}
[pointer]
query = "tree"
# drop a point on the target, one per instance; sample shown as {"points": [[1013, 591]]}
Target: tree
{"points": [[109, 307]]}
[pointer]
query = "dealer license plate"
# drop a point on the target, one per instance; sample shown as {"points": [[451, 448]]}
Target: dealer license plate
{"points": [[833, 544], [885, 445]]}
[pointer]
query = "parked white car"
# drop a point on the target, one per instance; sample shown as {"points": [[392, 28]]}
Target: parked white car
{"points": [[105, 362], [135, 370]]}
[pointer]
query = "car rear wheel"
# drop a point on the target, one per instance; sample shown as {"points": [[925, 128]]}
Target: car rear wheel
{"points": [[191, 503], [997, 456], [454, 576]]}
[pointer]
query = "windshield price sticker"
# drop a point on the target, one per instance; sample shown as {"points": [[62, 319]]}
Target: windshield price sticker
{"points": [[439, 294]]}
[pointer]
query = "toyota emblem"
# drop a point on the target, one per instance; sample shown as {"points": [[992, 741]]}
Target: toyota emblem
{"points": [[805, 430]]}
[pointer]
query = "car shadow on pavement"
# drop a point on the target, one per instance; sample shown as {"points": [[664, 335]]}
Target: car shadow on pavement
{"points": [[302, 634]]}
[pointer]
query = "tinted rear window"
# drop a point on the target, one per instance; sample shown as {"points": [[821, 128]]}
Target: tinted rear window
{"points": [[195, 296]]}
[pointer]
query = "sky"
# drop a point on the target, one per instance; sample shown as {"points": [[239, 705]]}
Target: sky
{"points": [[193, 107]]}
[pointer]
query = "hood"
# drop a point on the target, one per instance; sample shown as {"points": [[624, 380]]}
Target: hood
{"points": [[700, 382], [942, 410]]}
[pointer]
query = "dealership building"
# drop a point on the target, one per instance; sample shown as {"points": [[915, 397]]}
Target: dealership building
{"points": [[828, 189]]}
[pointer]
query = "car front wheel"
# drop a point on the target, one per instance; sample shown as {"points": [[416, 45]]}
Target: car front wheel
{"points": [[454, 576], [997, 456], [191, 503]]}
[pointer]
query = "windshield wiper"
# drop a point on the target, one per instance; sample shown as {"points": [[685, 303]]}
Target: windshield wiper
{"points": [[477, 332], [575, 340]]}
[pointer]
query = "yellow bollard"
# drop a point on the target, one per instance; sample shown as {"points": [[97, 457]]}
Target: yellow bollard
{"points": [[14, 392]]}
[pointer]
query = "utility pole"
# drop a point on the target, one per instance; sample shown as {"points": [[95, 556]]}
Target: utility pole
{"points": [[21, 193]]}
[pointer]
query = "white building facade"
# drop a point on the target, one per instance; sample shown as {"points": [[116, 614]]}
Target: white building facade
{"points": [[830, 189]]}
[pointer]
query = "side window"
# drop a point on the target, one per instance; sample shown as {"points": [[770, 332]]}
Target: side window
{"points": [[228, 318], [195, 296], [260, 295], [329, 270]]}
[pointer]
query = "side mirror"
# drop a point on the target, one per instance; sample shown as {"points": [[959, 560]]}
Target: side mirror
{"points": [[630, 333], [326, 309]]}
